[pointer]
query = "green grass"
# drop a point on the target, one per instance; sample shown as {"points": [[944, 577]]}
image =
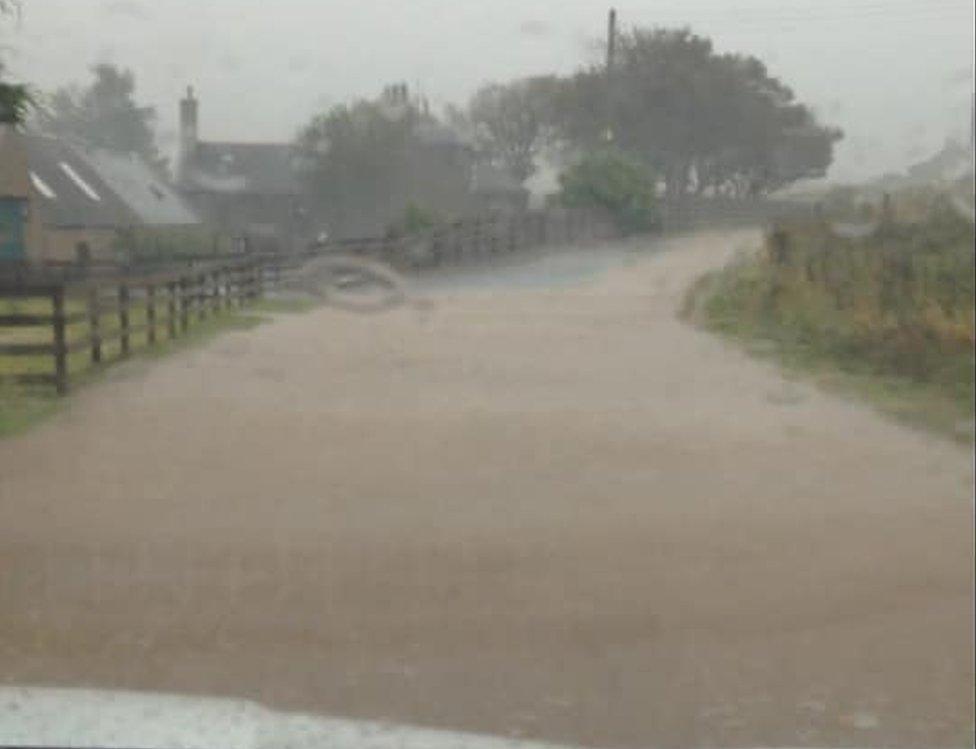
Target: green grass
{"points": [[23, 406], [928, 386]]}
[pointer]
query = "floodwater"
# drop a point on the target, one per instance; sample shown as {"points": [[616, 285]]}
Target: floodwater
{"points": [[538, 269], [544, 509]]}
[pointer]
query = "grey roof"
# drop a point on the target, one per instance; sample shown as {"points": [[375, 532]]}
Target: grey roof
{"points": [[147, 196], [68, 192], [256, 168], [954, 161]]}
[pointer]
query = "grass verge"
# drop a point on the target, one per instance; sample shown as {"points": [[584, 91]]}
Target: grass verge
{"points": [[729, 302], [24, 406]]}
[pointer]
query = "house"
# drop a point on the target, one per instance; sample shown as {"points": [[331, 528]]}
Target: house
{"points": [[243, 189], [79, 200], [14, 196], [441, 168], [952, 163], [495, 190], [444, 171]]}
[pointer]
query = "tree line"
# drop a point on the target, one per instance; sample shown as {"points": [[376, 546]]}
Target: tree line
{"points": [[699, 121], [690, 120]]}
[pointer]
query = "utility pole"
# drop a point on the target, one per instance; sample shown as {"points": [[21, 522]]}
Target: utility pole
{"points": [[611, 72]]}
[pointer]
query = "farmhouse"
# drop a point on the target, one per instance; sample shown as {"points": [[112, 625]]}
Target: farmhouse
{"points": [[74, 202]]}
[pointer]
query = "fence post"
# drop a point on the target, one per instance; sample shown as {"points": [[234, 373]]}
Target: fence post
{"points": [[216, 291], [95, 325], [151, 314], [184, 304], [171, 309], [60, 344], [252, 281], [236, 285], [227, 274], [437, 245], [124, 320], [201, 296], [247, 281], [258, 279]]}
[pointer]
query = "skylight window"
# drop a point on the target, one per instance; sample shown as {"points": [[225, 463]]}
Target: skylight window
{"points": [[82, 185], [42, 187]]}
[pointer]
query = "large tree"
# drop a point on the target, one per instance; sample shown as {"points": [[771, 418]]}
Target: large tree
{"points": [[366, 162], [354, 158], [105, 114], [511, 123], [700, 120], [15, 99]]}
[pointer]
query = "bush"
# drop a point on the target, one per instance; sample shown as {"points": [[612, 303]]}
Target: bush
{"points": [[415, 220], [609, 181], [897, 303]]}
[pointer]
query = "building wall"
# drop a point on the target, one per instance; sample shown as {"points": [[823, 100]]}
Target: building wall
{"points": [[62, 244], [273, 217], [13, 228]]}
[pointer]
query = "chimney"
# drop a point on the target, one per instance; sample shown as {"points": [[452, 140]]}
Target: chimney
{"points": [[189, 123]]}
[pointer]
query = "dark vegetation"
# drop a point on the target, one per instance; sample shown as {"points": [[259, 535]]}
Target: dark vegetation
{"points": [[693, 121], [104, 114], [608, 180], [15, 98], [892, 310]]}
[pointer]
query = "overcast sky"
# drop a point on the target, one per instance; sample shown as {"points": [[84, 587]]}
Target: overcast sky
{"points": [[895, 74]]}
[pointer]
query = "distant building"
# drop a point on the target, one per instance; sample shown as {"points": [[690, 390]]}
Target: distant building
{"points": [[244, 189], [446, 173], [953, 162], [257, 190], [14, 196], [495, 190], [79, 199]]}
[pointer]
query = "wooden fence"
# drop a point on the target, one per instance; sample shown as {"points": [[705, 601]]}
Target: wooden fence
{"points": [[93, 317], [95, 313]]}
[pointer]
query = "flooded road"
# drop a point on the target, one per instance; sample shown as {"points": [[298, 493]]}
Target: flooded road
{"points": [[536, 269], [537, 504]]}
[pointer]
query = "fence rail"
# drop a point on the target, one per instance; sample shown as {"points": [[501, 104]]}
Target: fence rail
{"points": [[92, 307], [157, 306]]}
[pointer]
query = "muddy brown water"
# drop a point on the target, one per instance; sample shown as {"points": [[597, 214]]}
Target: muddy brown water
{"points": [[555, 512]]}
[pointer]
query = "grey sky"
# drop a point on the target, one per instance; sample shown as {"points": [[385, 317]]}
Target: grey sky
{"points": [[895, 74]]}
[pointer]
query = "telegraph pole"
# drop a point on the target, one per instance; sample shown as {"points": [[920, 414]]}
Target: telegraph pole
{"points": [[611, 72]]}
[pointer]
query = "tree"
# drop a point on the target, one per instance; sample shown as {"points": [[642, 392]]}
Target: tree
{"points": [[702, 121], [105, 115], [609, 180], [365, 163], [15, 99], [354, 156], [510, 123], [15, 102]]}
